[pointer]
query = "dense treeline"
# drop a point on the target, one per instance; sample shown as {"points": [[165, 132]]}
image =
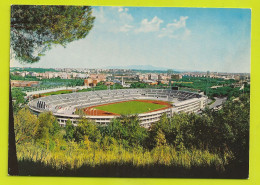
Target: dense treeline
{"points": [[37, 70], [228, 91], [102, 86], [26, 78], [215, 141], [139, 85], [203, 84], [50, 81]]}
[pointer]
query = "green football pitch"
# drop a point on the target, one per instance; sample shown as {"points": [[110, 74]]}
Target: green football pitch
{"points": [[130, 107]]}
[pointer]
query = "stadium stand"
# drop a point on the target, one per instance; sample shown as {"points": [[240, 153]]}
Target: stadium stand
{"points": [[64, 106]]}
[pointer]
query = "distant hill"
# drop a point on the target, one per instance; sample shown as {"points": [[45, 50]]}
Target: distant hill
{"points": [[138, 67], [151, 68]]}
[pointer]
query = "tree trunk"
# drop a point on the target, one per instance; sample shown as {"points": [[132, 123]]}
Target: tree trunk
{"points": [[12, 157]]}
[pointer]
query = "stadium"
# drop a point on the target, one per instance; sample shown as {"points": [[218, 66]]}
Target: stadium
{"points": [[104, 105]]}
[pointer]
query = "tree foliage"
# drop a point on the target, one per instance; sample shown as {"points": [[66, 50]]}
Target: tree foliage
{"points": [[138, 85], [48, 126], [18, 99], [26, 125], [69, 128], [160, 138], [86, 128], [127, 131], [34, 29]]}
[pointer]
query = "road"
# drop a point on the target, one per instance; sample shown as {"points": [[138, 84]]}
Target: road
{"points": [[219, 101]]}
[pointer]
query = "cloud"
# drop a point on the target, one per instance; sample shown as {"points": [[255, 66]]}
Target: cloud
{"points": [[125, 28], [176, 29], [113, 19], [120, 20], [179, 24], [124, 16], [149, 26], [120, 9]]}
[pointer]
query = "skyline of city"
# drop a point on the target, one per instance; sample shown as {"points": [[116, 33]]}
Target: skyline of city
{"points": [[189, 39], [101, 70]]}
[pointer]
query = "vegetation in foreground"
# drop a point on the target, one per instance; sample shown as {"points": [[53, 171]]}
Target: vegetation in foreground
{"points": [[214, 144]]}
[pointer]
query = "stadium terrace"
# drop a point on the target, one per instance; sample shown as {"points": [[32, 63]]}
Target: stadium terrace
{"points": [[65, 106]]}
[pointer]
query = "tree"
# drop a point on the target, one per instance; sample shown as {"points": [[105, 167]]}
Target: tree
{"points": [[86, 142], [115, 129], [137, 134], [160, 138], [26, 125], [126, 130], [48, 126], [34, 29], [235, 117], [18, 97], [69, 128], [86, 128], [108, 143], [164, 125]]}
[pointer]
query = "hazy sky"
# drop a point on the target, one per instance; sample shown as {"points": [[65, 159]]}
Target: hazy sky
{"points": [[177, 38]]}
